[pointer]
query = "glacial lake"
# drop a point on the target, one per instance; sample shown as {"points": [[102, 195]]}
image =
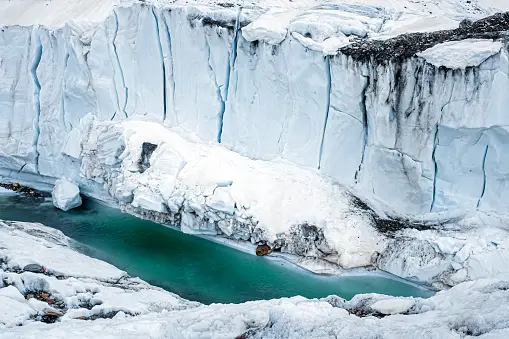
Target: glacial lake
{"points": [[192, 267]]}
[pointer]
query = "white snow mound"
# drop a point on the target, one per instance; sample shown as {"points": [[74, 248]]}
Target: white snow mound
{"points": [[461, 54]]}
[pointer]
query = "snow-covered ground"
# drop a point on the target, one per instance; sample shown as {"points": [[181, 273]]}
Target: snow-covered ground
{"points": [[76, 285], [85, 297]]}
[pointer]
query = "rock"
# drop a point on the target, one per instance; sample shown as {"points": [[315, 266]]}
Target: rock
{"points": [[82, 317], [407, 45], [15, 187], [465, 23], [52, 312], [66, 195], [44, 295], [393, 305], [262, 250], [146, 152], [34, 268]]}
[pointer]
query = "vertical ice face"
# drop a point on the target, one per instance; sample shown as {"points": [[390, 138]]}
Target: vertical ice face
{"points": [[401, 130], [199, 49], [424, 127], [346, 130], [277, 102]]}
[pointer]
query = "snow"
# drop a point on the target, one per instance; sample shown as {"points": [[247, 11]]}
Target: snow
{"points": [[61, 261], [393, 306], [212, 189], [271, 27], [130, 308], [72, 279], [461, 54], [66, 195]]}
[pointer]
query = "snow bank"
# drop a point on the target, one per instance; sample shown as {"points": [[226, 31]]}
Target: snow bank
{"points": [[66, 195], [207, 189], [21, 241], [75, 285], [130, 308], [461, 54]]}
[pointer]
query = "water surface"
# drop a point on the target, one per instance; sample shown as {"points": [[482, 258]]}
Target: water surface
{"points": [[192, 267]]}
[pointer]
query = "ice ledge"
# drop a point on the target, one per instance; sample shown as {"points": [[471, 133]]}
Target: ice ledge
{"points": [[461, 54], [318, 25]]}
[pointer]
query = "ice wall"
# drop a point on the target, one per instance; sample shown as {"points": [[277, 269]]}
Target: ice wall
{"points": [[419, 136]]}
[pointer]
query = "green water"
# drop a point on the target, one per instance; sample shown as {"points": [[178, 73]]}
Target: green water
{"points": [[194, 268]]}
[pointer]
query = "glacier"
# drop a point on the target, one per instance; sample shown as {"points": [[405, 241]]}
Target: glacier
{"points": [[319, 129]]}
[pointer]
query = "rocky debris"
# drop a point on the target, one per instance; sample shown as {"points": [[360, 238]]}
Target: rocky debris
{"points": [[146, 152], [22, 189], [387, 226], [107, 315], [262, 250], [407, 45], [362, 313], [466, 23], [66, 195], [304, 240], [47, 298], [52, 312], [50, 315]]}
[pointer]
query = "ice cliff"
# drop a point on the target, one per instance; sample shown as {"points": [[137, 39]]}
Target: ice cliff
{"points": [[328, 97]]}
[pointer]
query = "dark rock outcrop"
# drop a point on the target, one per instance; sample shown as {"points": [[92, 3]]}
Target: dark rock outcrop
{"points": [[406, 45]]}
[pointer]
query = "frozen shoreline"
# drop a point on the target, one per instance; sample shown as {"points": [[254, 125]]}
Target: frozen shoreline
{"points": [[127, 307]]}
